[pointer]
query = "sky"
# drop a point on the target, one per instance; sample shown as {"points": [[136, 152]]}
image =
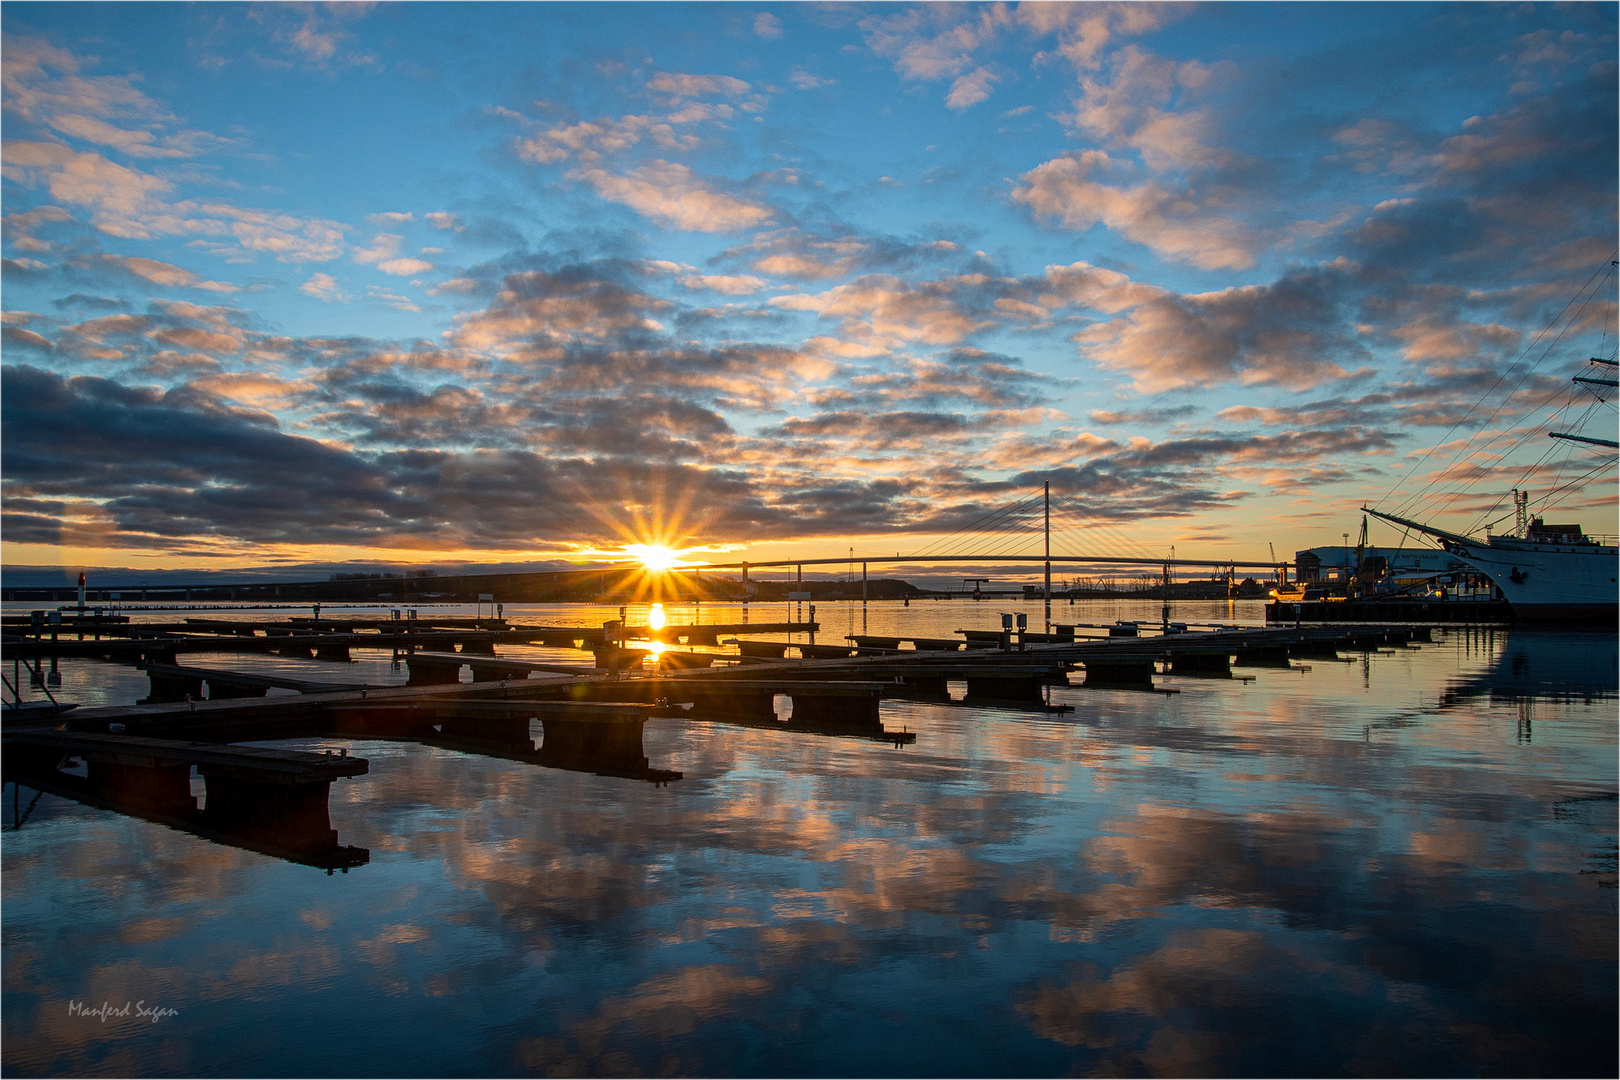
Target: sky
{"points": [[290, 284]]}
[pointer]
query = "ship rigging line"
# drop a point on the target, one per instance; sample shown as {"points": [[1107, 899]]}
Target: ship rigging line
{"points": [[1529, 470], [1604, 272], [1525, 474]]}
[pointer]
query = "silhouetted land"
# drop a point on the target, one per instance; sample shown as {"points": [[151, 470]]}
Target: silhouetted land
{"points": [[577, 586]]}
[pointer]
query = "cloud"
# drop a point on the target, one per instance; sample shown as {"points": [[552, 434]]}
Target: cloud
{"points": [[384, 255], [20, 227], [313, 33], [324, 287], [674, 194], [286, 236], [935, 43], [886, 309], [255, 389], [536, 313], [767, 25], [1085, 31], [985, 379], [677, 105], [1169, 222], [126, 202], [107, 110], [162, 273], [383, 246], [404, 267], [17, 335], [678, 85], [801, 267], [732, 284], [1295, 332], [944, 41], [167, 325], [174, 467], [1145, 416], [392, 299], [808, 256], [880, 431], [970, 89], [804, 80], [131, 205]]}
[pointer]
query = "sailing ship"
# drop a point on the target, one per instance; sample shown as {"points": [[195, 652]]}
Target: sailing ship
{"points": [[1545, 572], [1553, 572]]}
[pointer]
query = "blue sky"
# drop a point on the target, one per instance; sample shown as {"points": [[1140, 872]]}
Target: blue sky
{"points": [[468, 282]]}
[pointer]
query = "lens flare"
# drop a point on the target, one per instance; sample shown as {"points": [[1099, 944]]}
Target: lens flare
{"points": [[654, 557], [655, 617]]}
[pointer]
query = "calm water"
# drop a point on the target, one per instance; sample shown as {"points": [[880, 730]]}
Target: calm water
{"points": [[1399, 865]]}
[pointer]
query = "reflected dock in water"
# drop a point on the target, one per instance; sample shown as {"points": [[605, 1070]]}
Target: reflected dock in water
{"points": [[599, 737], [270, 823], [271, 801]]}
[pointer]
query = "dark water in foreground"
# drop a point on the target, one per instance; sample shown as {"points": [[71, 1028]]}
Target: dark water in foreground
{"points": [[1402, 865]]}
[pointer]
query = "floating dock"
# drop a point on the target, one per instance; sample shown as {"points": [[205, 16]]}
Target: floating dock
{"points": [[139, 758]]}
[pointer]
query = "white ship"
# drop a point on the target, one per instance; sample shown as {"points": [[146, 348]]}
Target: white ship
{"points": [[1551, 572]]}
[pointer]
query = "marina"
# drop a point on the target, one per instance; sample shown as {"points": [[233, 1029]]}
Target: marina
{"points": [[810, 540], [1244, 787]]}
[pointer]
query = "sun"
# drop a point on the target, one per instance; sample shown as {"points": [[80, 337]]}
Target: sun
{"points": [[655, 558]]}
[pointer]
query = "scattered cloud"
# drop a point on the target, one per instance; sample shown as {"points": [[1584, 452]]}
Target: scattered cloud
{"points": [[324, 287], [162, 273], [1073, 190], [392, 299], [384, 255], [767, 25], [673, 194]]}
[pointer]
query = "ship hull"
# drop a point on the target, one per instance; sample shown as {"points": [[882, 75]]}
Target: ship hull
{"points": [[1546, 582]]}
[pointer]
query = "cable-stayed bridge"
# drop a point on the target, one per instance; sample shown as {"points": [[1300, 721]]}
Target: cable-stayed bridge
{"points": [[1063, 530]]}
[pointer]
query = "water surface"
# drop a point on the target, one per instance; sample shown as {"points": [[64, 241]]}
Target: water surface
{"points": [[1398, 864]]}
